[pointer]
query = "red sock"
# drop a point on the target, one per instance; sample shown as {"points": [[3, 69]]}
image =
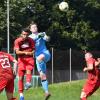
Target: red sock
{"points": [[20, 86], [84, 98], [28, 78]]}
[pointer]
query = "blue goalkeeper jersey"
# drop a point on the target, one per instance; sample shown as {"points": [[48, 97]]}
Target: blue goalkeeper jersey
{"points": [[40, 43]]}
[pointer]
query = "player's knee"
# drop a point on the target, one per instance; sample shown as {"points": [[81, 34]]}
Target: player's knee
{"points": [[43, 77], [28, 72], [20, 78], [40, 57], [83, 94]]}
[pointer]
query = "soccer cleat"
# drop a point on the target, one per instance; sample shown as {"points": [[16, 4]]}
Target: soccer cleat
{"points": [[47, 96], [27, 86], [21, 98]]}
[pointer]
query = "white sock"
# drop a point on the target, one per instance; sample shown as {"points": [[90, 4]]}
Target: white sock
{"points": [[46, 92], [21, 94]]}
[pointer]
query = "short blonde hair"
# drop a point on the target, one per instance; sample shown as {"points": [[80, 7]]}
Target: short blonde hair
{"points": [[32, 23]]}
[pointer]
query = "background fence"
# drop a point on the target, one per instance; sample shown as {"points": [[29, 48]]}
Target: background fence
{"points": [[66, 65]]}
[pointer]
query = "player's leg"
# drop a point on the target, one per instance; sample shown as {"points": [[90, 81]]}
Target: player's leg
{"points": [[41, 66], [83, 96], [3, 83], [10, 96], [46, 59], [47, 56], [28, 79], [10, 89], [21, 83], [96, 86], [88, 90], [42, 59], [29, 72]]}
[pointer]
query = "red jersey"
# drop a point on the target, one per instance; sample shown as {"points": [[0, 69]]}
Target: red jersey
{"points": [[24, 45], [94, 74], [5, 65]]}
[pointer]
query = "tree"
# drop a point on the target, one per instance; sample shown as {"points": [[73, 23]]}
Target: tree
{"points": [[77, 28]]}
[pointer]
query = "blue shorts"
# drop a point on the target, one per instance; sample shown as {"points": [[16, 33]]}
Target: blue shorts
{"points": [[42, 65]]}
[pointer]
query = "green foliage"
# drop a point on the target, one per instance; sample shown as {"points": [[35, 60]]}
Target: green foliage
{"points": [[77, 28]]}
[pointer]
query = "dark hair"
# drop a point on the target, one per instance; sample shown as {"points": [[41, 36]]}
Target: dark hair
{"points": [[25, 30]]}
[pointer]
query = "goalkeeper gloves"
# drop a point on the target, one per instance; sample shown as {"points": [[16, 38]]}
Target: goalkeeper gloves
{"points": [[42, 34]]}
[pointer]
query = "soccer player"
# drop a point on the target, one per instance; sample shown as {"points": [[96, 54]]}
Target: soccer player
{"points": [[7, 74], [42, 55], [24, 47], [93, 81]]}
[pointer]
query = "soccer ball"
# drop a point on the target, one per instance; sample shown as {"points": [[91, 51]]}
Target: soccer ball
{"points": [[63, 6]]}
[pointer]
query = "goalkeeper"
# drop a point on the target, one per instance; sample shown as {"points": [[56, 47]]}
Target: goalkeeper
{"points": [[42, 55]]}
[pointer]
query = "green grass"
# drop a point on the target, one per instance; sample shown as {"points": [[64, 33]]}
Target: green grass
{"points": [[60, 91]]}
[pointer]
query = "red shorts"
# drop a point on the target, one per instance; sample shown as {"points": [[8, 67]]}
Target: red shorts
{"points": [[7, 84], [26, 63], [89, 88]]}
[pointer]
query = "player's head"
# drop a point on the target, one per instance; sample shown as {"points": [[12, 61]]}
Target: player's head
{"points": [[24, 33], [33, 28], [88, 55]]}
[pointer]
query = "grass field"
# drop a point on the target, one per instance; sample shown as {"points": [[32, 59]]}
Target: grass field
{"points": [[60, 91]]}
